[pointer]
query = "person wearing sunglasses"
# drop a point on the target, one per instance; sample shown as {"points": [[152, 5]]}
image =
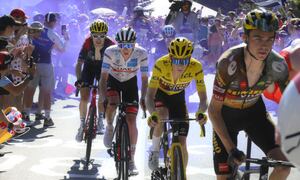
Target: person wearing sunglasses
{"points": [[91, 58], [165, 97], [161, 48], [119, 75]]}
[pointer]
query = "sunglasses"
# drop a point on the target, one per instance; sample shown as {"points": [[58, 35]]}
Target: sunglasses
{"points": [[126, 45], [97, 36], [184, 62]]}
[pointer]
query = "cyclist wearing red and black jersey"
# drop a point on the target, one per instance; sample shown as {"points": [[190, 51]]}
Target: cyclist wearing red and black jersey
{"points": [[91, 57], [119, 75], [243, 73]]}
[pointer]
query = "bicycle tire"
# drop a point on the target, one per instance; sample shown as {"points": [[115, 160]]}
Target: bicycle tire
{"points": [[124, 153], [178, 165], [89, 136]]}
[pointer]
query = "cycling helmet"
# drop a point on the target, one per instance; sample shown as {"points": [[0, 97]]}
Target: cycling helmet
{"points": [[99, 26], [261, 19], [126, 35], [168, 31], [181, 48]]}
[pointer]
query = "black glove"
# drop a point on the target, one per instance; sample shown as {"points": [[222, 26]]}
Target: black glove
{"points": [[78, 83], [236, 156], [176, 6]]}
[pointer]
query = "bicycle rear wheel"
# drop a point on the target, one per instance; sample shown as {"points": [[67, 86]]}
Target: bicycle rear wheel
{"points": [[178, 172], [89, 136], [123, 164]]}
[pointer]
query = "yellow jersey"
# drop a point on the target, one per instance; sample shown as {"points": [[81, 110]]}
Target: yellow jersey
{"points": [[162, 76]]}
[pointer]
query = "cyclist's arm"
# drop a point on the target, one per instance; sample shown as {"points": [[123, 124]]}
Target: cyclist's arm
{"points": [[221, 82], [103, 86], [214, 111], [104, 75], [78, 68], [150, 97], [81, 57], [152, 88], [144, 74], [201, 89]]}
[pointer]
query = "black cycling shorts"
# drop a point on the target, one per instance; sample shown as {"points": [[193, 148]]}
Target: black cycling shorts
{"points": [[255, 121], [128, 88], [177, 109], [91, 70]]}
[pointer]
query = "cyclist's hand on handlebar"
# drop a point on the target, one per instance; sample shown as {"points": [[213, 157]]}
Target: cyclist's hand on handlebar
{"points": [[201, 118], [236, 156], [153, 120]]}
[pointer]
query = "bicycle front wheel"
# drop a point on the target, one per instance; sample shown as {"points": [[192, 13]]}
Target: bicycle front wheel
{"points": [[124, 153], [178, 172], [89, 136]]}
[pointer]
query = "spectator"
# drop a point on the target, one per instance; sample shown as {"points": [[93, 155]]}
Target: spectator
{"points": [[203, 29], [45, 75], [185, 21]]}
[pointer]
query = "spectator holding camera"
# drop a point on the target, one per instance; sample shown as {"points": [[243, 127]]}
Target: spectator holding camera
{"points": [[185, 21]]}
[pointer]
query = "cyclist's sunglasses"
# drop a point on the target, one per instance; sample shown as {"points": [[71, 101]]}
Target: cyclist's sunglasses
{"points": [[126, 45], [184, 62], [98, 36]]}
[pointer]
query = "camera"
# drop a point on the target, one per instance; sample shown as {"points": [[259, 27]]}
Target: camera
{"points": [[176, 5]]}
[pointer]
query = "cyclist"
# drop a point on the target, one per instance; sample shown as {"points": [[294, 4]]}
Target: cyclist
{"points": [[91, 56], [165, 97], [243, 73], [161, 47], [119, 74]]}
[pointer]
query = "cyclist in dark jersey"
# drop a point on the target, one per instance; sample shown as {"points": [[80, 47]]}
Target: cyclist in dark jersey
{"points": [[91, 56], [243, 73]]}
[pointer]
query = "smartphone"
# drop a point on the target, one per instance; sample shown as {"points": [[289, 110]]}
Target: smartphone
{"points": [[63, 29]]}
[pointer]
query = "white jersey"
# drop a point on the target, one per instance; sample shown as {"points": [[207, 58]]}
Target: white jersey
{"points": [[116, 66]]}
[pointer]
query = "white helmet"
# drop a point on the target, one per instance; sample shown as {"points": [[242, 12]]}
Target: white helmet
{"points": [[126, 35], [289, 121]]}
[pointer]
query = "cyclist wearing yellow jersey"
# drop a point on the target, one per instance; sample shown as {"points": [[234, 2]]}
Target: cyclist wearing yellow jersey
{"points": [[243, 73], [165, 98]]}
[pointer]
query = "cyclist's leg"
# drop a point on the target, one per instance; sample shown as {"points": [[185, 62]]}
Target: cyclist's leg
{"points": [[113, 100], [100, 125], [178, 111], [234, 122], [262, 133], [163, 113]]}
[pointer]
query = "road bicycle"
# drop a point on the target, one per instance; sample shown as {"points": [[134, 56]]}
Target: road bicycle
{"points": [[244, 172], [173, 168], [90, 127], [120, 148]]}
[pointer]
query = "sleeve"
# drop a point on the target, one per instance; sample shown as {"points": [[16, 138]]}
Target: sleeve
{"points": [[107, 59], [283, 77], [57, 40], [199, 78], [156, 74], [222, 78], [144, 64]]}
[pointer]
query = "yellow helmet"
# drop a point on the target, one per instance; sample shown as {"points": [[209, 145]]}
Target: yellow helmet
{"points": [[261, 19], [98, 26], [181, 48]]}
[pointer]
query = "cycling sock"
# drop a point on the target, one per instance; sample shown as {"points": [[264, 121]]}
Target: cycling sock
{"points": [[132, 150], [155, 143], [47, 114]]}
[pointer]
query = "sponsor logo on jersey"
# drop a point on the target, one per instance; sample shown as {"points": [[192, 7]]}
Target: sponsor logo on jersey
{"points": [[232, 68], [172, 87], [132, 63], [243, 84], [278, 67]]}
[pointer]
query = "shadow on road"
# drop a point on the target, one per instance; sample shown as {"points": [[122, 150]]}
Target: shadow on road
{"points": [[76, 172]]}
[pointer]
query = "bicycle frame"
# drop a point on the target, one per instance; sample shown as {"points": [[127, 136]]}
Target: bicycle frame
{"points": [[262, 169], [121, 160]]}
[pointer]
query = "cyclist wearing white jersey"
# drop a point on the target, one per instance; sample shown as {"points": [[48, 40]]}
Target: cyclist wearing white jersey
{"points": [[119, 74]]}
